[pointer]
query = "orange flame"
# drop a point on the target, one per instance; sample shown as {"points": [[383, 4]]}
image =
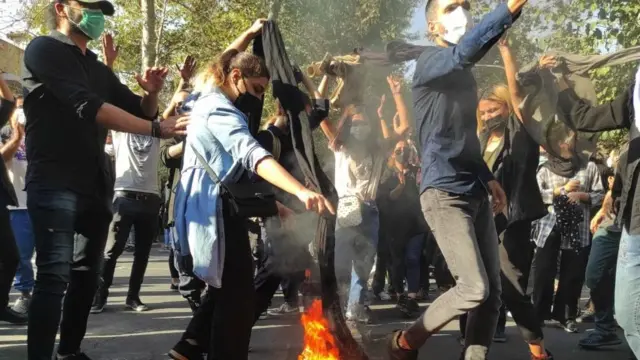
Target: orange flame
{"points": [[319, 343]]}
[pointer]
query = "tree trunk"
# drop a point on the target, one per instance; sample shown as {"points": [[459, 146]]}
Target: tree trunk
{"points": [[148, 45], [274, 11]]}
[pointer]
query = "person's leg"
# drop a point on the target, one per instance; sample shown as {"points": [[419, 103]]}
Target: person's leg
{"points": [[343, 260], [572, 269], [600, 278], [173, 271], [146, 231], [382, 260], [546, 260], [233, 314], [266, 284], [451, 219], [292, 289], [92, 228], [119, 230], [53, 215], [398, 268], [413, 252], [482, 321], [23, 231], [627, 293], [9, 259], [190, 286], [195, 339], [515, 262], [365, 252]]}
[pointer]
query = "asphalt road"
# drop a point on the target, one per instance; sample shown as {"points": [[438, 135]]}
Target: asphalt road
{"points": [[118, 334]]}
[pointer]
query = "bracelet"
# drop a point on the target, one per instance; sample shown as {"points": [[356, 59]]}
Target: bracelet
{"points": [[155, 130]]}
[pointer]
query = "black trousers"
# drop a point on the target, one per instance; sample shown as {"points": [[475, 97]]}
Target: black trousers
{"points": [[9, 257], [383, 262], [172, 265], [573, 264], [142, 215], [516, 255], [222, 324]]}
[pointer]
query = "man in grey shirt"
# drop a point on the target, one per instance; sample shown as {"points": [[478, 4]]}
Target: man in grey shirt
{"points": [[136, 204]]}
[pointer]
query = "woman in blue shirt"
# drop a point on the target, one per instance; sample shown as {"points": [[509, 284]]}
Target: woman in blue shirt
{"points": [[218, 241]]}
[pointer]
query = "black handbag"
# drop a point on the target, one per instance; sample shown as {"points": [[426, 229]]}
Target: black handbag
{"points": [[247, 200]]}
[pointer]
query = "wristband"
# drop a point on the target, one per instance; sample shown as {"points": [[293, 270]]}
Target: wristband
{"points": [[155, 130]]}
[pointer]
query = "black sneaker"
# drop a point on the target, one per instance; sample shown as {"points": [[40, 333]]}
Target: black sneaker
{"points": [[499, 336], [13, 317], [402, 304], [396, 352], [173, 287], [76, 356], [136, 305], [99, 302], [412, 308], [596, 340], [185, 351]]}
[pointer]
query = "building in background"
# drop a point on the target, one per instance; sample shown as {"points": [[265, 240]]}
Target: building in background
{"points": [[11, 55]]}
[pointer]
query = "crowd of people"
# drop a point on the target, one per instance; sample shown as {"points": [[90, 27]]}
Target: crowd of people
{"points": [[460, 188]]}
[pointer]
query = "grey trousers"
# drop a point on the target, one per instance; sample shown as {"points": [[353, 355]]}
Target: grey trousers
{"points": [[464, 229]]}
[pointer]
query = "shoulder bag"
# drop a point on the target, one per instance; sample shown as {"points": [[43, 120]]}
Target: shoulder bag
{"points": [[247, 200]]}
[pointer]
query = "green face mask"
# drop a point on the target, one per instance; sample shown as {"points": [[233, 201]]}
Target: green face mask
{"points": [[92, 23]]}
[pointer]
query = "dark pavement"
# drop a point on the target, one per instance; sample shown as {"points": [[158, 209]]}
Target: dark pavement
{"points": [[118, 334]]}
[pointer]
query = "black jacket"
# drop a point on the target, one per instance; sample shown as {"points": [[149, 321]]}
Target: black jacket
{"points": [[7, 193], [516, 171], [617, 114]]}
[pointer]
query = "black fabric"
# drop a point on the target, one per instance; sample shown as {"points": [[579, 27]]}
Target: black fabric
{"points": [[561, 167], [9, 257], [7, 192], [396, 52], [404, 212], [516, 170], [271, 47]]}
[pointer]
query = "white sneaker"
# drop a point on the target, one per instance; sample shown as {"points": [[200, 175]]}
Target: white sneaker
{"points": [[284, 309], [383, 295], [21, 305]]}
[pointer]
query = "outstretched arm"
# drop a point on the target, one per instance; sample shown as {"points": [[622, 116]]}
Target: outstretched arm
{"points": [[242, 42], [511, 69]]}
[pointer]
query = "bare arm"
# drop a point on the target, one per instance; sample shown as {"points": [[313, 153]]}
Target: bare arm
{"points": [[515, 6], [9, 149], [176, 151], [242, 42], [5, 92], [511, 69]]}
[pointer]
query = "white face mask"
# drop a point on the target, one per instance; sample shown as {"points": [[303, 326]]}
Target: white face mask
{"points": [[108, 148], [20, 117], [456, 24], [610, 162]]}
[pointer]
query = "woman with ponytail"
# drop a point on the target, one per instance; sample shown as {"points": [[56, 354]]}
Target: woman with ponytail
{"points": [[225, 118]]}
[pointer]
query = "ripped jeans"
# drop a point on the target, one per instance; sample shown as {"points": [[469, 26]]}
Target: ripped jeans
{"points": [[70, 232]]}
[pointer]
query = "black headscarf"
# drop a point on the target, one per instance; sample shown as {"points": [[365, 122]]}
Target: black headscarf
{"points": [[562, 167]]}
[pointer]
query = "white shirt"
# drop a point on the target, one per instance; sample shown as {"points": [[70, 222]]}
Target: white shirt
{"points": [[137, 159]]}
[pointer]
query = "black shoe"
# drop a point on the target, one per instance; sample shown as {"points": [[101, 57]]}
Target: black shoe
{"points": [[173, 287], [396, 352], [597, 340], [99, 302], [402, 304], [12, 317], [412, 308], [499, 336], [185, 351], [570, 326], [76, 356], [136, 305]]}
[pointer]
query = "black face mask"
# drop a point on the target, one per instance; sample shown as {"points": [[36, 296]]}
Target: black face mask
{"points": [[496, 123], [252, 107], [402, 156]]}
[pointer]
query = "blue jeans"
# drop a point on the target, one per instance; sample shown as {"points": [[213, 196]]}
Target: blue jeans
{"points": [[627, 293], [355, 252], [600, 277], [67, 266], [23, 232]]}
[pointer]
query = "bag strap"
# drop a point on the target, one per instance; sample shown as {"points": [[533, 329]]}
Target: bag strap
{"points": [[277, 146], [207, 167]]}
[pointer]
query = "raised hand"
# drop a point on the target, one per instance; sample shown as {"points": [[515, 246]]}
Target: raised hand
{"points": [[257, 26], [110, 51], [548, 62], [188, 68], [381, 107], [152, 80], [394, 84]]}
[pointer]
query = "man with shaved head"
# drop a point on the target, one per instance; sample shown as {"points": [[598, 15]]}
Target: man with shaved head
{"points": [[455, 180]]}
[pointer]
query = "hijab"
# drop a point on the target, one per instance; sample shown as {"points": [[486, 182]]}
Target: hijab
{"points": [[566, 168]]}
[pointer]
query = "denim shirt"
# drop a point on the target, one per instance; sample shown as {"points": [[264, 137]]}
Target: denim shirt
{"points": [[445, 100], [219, 132]]}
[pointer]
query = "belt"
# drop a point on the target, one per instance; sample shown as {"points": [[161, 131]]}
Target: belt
{"points": [[136, 195]]}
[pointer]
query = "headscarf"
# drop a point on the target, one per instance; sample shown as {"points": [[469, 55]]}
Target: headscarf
{"points": [[562, 167]]}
